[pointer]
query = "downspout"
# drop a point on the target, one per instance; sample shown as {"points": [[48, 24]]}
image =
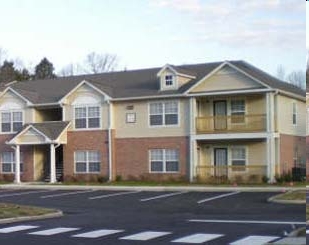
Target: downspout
{"points": [[110, 150]]}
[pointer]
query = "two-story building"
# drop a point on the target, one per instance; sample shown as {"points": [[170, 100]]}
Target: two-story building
{"points": [[195, 122]]}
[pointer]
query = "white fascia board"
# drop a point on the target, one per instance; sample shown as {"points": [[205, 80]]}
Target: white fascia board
{"points": [[12, 141], [295, 96], [167, 66], [247, 91], [229, 136], [61, 101], [17, 94], [64, 130], [206, 77]]}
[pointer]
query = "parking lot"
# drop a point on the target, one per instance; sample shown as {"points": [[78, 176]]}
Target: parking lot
{"points": [[148, 217]]}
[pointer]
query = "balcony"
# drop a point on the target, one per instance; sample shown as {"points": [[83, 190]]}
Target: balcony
{"points": [[234, 123]]}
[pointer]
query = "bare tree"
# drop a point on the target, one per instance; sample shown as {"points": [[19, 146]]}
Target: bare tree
{"points": [[281, 72], [97, 63], [3, 56], [297, 78]]}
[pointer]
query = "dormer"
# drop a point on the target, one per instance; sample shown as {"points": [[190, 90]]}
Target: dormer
{"points": [[172, 77]]}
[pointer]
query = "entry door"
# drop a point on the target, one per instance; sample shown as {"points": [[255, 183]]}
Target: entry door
{"points": [[220, 162], [220, 118]]}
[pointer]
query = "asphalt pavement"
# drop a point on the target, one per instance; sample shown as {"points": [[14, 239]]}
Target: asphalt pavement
{"points": [[151, 217]]}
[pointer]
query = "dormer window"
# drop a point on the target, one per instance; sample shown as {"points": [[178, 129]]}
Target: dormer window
{"points": [[169, 80]]}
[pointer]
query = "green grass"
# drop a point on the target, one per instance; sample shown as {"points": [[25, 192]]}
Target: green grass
{"points": [[8, 210], [294, 195], [307, 212]]}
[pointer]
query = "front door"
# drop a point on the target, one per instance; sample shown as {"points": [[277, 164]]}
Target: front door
{"points": [[220, 119], [220, 162]]}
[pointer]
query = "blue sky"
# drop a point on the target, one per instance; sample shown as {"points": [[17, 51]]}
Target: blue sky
{"points": [[148, 33]]}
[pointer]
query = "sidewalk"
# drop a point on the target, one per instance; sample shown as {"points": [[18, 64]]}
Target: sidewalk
{"points": [[151, 188]]}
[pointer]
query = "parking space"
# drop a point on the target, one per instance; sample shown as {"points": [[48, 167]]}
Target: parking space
{"points": [[136, 217]]}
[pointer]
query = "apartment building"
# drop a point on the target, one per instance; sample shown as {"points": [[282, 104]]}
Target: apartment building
{"points": [[194, 122]]}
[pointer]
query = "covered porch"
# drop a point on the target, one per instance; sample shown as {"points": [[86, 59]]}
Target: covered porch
{"points": [[46, 139], [240, 161]]}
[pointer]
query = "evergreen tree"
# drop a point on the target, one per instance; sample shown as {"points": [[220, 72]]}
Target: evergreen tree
{"points": [[44, 70]]}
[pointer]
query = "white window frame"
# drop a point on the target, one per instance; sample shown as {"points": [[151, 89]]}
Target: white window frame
{"points": [[164, 171], [87, 162], [294, 113], [238, 111], [246, 159], [13, 162], [169, 80], [11, 112], [163, 114], [87, 116]]}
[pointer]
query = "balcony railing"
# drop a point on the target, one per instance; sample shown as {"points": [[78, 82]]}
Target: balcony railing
{"points": [[233, 123]]}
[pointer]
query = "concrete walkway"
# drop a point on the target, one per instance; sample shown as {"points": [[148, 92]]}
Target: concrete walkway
{"points": [[151, 188]]}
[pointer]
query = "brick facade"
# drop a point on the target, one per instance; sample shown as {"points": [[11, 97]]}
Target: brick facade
{"points": [[288, 144], [27, 151], [85, 141], [132, 157]]}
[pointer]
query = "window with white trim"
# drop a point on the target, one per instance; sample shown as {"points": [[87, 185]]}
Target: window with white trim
{"points": [[163, 113], [8, 162], [169, 80], [238, 159], [87, 162], [11, 121], [238, 109], [87, 117], [164, 160], [294, 113]]}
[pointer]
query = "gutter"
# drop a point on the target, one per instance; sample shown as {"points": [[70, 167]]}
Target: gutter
{"points": [[110, 150]]}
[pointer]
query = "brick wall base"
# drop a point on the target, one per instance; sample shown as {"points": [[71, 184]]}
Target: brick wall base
{"points": [[132, 158], [83, 141], [287, 145]]}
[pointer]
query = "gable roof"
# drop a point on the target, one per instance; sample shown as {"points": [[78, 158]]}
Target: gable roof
{"points": [[137, 83]]}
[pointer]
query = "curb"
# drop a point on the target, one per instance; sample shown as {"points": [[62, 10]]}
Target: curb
{"points": [[150, 188], [274, 199], [56, 214]]}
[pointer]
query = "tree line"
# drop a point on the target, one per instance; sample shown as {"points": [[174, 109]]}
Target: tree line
{"points": [[14, 70]]}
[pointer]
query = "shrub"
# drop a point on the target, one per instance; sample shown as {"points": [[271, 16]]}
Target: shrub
{"points": [[118, 178], [265, 179], [102, 179]]}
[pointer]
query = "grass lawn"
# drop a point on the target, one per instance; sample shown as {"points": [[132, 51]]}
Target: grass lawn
{"points": [[8, 210], [307, 212], [294, 195]]}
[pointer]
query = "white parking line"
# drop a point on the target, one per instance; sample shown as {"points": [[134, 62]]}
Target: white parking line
{"points": [[54, 231], [17, 228], [248, 222], [67, 194], [218, 197], [307, 231], [163, 196], [114, 194], [145, 236], [97, 233], [254, 240], [23, 193], [198, 238]]}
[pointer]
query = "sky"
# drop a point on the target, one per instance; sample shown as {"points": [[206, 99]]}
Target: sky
{"points": [[152, 33]]}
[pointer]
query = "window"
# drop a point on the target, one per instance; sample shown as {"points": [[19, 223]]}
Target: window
{"points": [[237, 111], [294, 116], [11, 121], [130, 118], [8, 162], [239, 159], [87, 162], [169, 80], [164, 160], [163, 113], [87, 117]]}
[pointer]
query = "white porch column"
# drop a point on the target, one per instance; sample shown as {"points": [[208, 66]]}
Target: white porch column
{"points": [[270, 145], [192, 140], [52, 164], [17, 164]]}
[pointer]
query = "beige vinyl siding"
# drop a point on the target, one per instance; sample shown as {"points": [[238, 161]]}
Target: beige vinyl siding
{"points": [[226, 79], [31, 136], [40, 158], [83, 92], [285, 116], [141, 127]]}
